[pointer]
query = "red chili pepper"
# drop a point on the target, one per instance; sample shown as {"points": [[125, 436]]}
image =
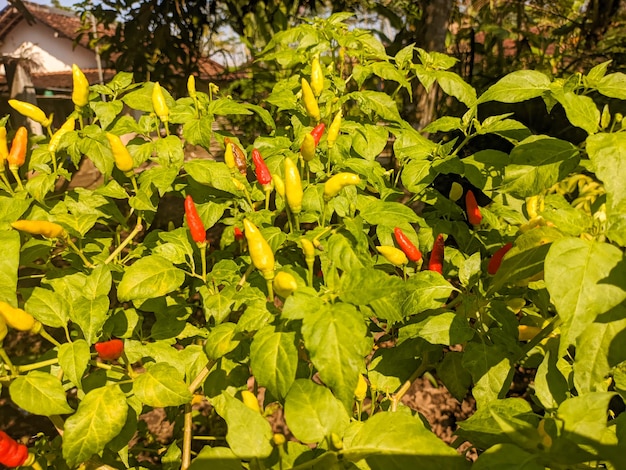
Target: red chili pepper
{"points": [[473, 211], [435, 263], [12, 454], [263, 174], [196, 227], [410, 250], [496, 258], [238, 234], [317, 132], [110, 350]]}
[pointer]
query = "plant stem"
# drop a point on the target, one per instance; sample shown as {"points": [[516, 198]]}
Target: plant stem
{"points": [[58, 423], [201, 376], [37, 365], [203, 260], [6, 182], [270, 290], [44, 334], [7, 361], [405, 387], [187, 437], [138, 228], [16, 175], [79, 252], [245, 275]]}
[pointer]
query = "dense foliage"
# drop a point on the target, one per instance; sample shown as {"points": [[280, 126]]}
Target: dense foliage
{"points": [[296, 297]]}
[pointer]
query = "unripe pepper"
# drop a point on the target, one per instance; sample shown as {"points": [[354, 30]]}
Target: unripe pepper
{"points": [[17, 154], [317, 76], [121, 155], [12, 454], [496, 259], [80, 90], [191, 87], [238, 157], [337, 182], [279, 185], [307, 150], [435, 263], [31, 111], [250, 400], [474, 216], [293, 186], [333, 130], [263, 175], [39, 227], [196, 227], [4, 149], [410, 250], [260, 252], [318, 132], [392, 254], [456, 191], [19, 319], [110, 350], [55, 140], [360, 392], [310, 102], [308, 249], [284, 284], [159, 104]]}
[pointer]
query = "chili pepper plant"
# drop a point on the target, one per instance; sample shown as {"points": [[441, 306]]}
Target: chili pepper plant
{"points": [[279, 323]]}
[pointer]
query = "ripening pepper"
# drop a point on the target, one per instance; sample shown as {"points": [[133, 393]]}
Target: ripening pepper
{"points": [[317, 76], [4, 148], [121, 155], [410, 250], [19, 319], [39, 227], [474, 216], [17, 154], [80, 90], [55, 140], [110, 350], [284, 284], [196, 227], [496, 259], [308, 249], [293, 186], [261, 253], [337, 182], [238, 233], [318, 132], [333, 129], [456, 191], [12, 453], [31, 111], [263, 175], [238, 157], [310, 102], [527, 332], [159, 104], [307, 150], [392, 254], [435, 263]]}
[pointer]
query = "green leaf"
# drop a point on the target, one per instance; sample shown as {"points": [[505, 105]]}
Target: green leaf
{"points": [[301, 304], [551, 385], [391, 367], [313, 413], [362, 286], [517, 86], [199, 131], [377, 212], [48, 307], [100, 417], [335, 339], [98, 283], [378, 103], [613, 85], [584, 417], [274, 360], [73, 359], [9, 263], [148, 278], [90, 315], [12, 208], [211, 173], [398, 441], [454, 376], [162, 385], [367, 140], [608, 154], [221, 340], [218, 458], [426, 290], [491, 371], [586, 265], [446, 328], [507, 456], [453, 85], [538, 163], [39, 393], [580, 110], [249, 433]]}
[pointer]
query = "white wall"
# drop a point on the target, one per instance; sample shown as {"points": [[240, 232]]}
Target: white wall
{"points": [[55, 54]]}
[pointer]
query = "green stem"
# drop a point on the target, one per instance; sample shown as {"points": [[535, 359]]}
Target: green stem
{"points": [[296, 220], [309, 276], [44, 334], [187, 437], [5, 358], [544, 333], [267, 198], [37, 365], [79, 252], [245, 275], [405, 387], [6, 182], [138, 228], [203, 260], [16, 175], [270, 290], [202, 375]]}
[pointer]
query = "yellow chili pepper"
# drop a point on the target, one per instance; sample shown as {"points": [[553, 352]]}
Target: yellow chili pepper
{"points": [[31, 111], [191, 87], [4, 149], [307, 150], [260, 252], [337, 182], [238, 184], [17, 154], [39, 227], [158, 103], [392, 254], [279, 185], [56, 137], [333, 130], [229, 156], [18, 319], [317, 76], [534, 205], [310, 102], [308, 249], [360, 392], [293, 186], [80, 90], [3, 328], [456, 191], [250, 400], [285, 284], [123, 159], [235, 156], [527, 332]]}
